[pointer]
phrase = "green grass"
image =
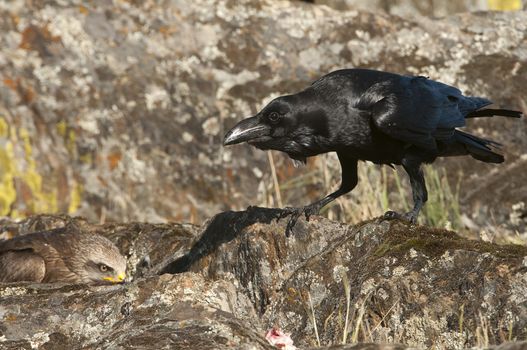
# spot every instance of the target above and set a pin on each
(442, 208)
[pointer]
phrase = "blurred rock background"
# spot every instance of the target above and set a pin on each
(115, 110)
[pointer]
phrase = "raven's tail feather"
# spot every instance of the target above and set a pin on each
(479, 148)
(492, 112)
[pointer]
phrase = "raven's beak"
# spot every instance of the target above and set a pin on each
(246, 130)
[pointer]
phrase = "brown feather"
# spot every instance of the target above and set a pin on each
(59, 255)
(21, 265)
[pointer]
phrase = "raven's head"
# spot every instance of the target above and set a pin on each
(288, 123)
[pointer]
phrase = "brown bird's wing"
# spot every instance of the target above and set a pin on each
(59, 247)
(19, 262)
(37, 249)
(21, 265)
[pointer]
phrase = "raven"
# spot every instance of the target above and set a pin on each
(377, 116)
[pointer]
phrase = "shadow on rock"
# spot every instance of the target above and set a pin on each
(223, 228)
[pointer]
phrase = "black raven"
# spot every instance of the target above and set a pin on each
(371, 115)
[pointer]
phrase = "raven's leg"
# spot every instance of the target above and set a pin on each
(412, 165)
(349, 181)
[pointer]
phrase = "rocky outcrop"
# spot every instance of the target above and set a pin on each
(116, 110)
(429, 8)
(224, 285)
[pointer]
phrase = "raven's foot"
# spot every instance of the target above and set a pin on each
(411, 216)
(295, 213)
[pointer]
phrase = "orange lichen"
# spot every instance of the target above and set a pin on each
(10, 83)
(33, 37)
(113, 159)
(84, 10)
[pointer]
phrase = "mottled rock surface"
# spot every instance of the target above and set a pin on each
(430, 8)
(115, 110)
(238, 276)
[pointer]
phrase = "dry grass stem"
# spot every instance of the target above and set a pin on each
(275, 180)
(313, 319)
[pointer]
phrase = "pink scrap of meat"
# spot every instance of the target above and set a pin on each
(280, 339)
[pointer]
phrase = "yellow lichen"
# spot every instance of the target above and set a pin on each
(7, 186)
(62, 127)
(70, 143)
(4, 128)
(86, 158)
(26, 139)
(75, 198)
(17, 163)
(504, 5)
(44, 201)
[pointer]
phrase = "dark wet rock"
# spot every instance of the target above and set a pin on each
(116, 110)
(238, 276)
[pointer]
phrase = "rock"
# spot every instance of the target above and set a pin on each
(224, 285)
(182, 311)
(116, 110)
(411, 9)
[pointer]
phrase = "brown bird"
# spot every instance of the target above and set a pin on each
(61, 255)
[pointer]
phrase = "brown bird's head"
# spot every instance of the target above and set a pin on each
(97, 260)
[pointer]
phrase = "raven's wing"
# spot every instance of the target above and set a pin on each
(417, 110)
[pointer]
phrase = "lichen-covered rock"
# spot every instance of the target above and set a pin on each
(429, 8)
(116, 109)
(224, 285)
(406, 284)
(182, 311)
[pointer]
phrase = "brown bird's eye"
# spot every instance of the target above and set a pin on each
(273, 116)
(103, 268)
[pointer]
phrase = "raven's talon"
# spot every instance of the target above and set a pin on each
(291, 223)
(410, 217)
(294, 214)
(391, 215)
(311, 210)
(285, 212)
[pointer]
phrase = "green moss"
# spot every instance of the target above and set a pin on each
(401, 238)
(382, 250)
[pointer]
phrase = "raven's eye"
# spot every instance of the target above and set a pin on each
(273, 117)
(103, 268)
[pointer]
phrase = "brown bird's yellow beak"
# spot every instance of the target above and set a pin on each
(120, 277)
